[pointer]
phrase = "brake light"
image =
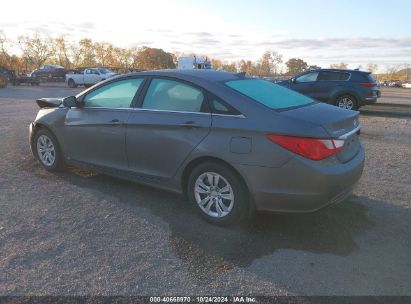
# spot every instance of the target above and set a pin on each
(312, 148)
(368, 84)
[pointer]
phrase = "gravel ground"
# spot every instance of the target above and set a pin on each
(80, 233)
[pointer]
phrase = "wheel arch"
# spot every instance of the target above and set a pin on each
(196, 161)
(42, 126)
(338, 94)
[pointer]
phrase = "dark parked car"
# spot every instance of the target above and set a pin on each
(349, 89)
(232, 144)
(49, 71)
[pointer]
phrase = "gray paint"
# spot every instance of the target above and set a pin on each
(155, 147)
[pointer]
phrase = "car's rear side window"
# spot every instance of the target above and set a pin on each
(368, 77)
(170, 95)
(269, 94)
(344, 76)
(333, 76)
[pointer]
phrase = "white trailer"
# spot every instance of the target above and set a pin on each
(194, 63)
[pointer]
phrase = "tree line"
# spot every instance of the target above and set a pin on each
(36, 50)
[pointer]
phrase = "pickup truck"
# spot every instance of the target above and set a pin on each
(88, 77)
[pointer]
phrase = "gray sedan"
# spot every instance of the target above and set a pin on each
(232, 144)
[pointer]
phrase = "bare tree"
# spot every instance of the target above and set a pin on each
(36, 50)
(4, 56)
(61, 52)
(372, 68)
(341, 65)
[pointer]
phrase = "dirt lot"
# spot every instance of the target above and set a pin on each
(79, 233)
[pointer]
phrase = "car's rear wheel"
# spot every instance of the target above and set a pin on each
(346, 102)
(218, 193)
(72, 83)
(47, 150)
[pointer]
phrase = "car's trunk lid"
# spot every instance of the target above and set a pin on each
(339, 124)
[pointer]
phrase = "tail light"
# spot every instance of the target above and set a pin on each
(312, 148)
(368, 84)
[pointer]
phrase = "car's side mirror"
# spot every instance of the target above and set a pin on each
(71, 102)
(292, 80)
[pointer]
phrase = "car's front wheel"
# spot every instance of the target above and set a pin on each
(218, 193)
(346, 102)
(47, 150)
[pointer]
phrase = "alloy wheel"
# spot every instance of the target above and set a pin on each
(345, 103)
(46, 150)
(214, 194)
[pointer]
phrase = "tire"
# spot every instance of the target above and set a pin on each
(347, 101)
(216, 205)
(44, 140)
(71, 83)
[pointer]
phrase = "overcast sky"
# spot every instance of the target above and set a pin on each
(320, 32)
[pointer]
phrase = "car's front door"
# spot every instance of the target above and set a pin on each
(95, 132)
(171, 120)
(305, 84)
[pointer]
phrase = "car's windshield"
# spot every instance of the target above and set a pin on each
(104, 71)
(269, 94)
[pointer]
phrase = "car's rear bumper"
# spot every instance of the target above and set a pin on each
(371, 99)
(302, 185)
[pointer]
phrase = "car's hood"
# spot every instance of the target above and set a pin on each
(49, 102)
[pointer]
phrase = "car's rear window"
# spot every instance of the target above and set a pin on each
(269, 94)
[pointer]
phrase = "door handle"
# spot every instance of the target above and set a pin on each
(116, 122)
(189, 124)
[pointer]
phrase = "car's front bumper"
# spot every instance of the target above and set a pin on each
(302, 185)
(31, 134)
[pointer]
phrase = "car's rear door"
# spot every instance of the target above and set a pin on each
(329, 83)
(170, 120)
(95, 133)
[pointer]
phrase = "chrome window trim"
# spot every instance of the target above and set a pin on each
(104, 108)
(346, 135)
(229, 115)
(162, 111)
(171, 111)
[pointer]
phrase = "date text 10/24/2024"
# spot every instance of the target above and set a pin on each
(203, 299)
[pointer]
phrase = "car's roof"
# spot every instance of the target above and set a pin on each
(208, 75)
(341, 70)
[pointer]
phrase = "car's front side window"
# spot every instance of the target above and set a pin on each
(117, 94)
(164, 94)
(309, 77)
